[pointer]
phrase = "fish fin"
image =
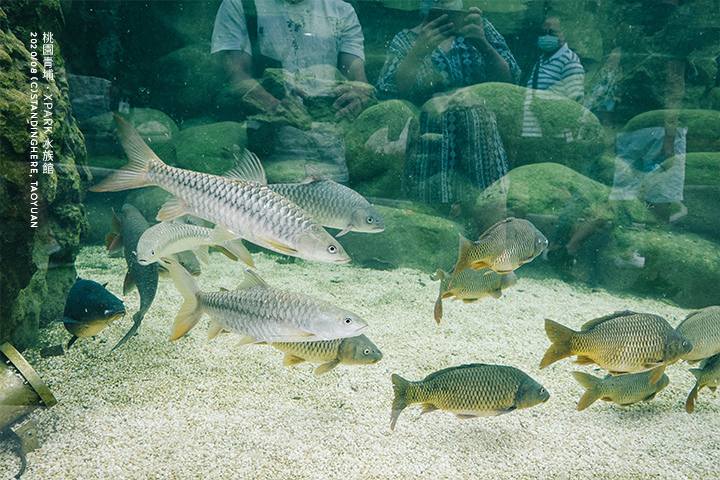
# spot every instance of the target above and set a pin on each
(139, 154)
(712, 389)
(438, 310)
(173, 207)
(649, 397)
(481, 266)
(400, 386)
(591, 394)
(464, 416)
(438, 275)
(220, 234)
(656, 374)
(496, 293)
(113, 240)
(326, 367)
(71, 341)
(463, 253)
(585, 360)
(214, 329)
(190, 313)
(235, 249)
(314, 175)
(248, 168)
(469, 300)
(696, 372)
(690, 402)
(203, 254)
(246, 339)
(252, 279)
(137, 320)
(560, 337)
(345, 230)
(598, 321)
(278, 245)
(128, 283)
(428, 407)
(291, 359)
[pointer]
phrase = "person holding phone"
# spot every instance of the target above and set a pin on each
(458, 151)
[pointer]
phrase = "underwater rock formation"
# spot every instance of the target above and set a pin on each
(42, 215)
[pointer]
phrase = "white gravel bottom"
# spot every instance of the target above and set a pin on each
(210, 409)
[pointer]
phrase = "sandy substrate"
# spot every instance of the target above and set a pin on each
(195, 408)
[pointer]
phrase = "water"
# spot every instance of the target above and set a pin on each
(620, 176)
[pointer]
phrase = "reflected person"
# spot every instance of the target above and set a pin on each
(458, 151)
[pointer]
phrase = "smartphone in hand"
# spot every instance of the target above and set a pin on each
(457, 17)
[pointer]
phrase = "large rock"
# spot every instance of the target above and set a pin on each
(43, 217)
(411, 239)
(703, 126)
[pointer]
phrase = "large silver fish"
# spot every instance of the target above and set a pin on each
(166, 238)
(260, 312)
(248, 209)
(330, 203)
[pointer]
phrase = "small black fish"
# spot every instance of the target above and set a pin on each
(89, 308)
(145, 277)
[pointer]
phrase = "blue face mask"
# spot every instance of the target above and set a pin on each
(548, 43)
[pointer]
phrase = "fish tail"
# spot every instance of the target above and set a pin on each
(591, 384)
(438, 309)
(190, 313)
(560, 337)
(463, 255)
(132, 175)
(400, 386)
(690, 402)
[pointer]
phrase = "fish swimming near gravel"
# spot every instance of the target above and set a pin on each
(166, 238)
(470, 286)
(469, 391)
(702, 328)
(330, 203)
(503, 247)
(624, 342)
(144, 277)
(248, 209)
(625, 390)
(708, 375)
(330, 353)
(89, 308)
(260, 312)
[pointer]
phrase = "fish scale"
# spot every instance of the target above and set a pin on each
(702, 328)
(248, 209)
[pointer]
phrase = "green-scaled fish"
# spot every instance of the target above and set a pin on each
(144, 277)
(470, 286)
(624, 390)
(702, 328)
(329, 353)
(89, 308)
(503, 247)
(624, 342)
(330, 203)
(248, 209)
(469, 391)
(259, 312)
(708, 375)
(166, 238)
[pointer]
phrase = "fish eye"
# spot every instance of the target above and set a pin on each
(542, 391)
(369, 219)
(347, 320)
(152, 253)
(366, 351)
(332, 249)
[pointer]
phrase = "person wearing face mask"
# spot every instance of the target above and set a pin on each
(558, 69)
(458, 150)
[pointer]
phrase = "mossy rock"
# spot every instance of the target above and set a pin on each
(702, 168)
(571, 133)
(411, 239)
(373, 143)
(208, 148)
(703, 126)
(703, 210)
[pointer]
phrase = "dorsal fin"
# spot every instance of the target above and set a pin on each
(598, 321)
(248, 168)
(252, 279)
(313, 175)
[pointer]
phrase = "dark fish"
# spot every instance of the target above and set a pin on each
(702, 328)
(469, 391)
(503, 247)
(624, 390)
(624, 342)
(89, 308)
(708, 375)
(145, 277)
(470, 286)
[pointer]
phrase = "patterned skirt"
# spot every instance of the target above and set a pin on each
(456, 155)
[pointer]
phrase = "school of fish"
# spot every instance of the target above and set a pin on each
(635, 348)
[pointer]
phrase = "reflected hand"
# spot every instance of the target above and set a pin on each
(352, 98)
(432, 34)
(474, 30)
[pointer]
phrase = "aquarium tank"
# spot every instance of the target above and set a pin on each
(268, 239)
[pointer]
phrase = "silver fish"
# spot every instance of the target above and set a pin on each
(330, 203)
(329, 353)
(166, 238)
(248, 209)
(259, 312)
